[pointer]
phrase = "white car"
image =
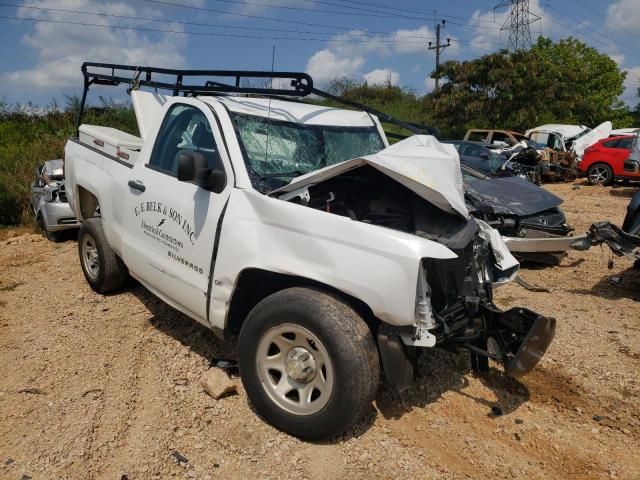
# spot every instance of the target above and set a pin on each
(296, 227)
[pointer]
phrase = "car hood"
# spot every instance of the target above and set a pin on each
(421, 163)
(509, 196)
(581, 144)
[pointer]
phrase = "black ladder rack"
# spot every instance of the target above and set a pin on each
(300, 83)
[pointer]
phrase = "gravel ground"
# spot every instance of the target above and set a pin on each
(108, 386)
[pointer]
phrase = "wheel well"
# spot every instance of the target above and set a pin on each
(88, 202)
(254, 285)
(599, 162)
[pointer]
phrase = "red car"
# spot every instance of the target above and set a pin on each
(608, 160)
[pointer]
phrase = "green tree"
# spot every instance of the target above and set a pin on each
(560, 82)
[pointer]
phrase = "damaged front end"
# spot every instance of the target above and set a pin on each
(527, 216)
(620, 242)
(454, 307)
(623, 241)
(456, 311)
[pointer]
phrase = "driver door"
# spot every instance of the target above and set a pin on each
(172, 225)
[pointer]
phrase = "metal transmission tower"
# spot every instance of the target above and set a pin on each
(518, 23)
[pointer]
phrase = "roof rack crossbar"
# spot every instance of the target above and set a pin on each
(300, 83)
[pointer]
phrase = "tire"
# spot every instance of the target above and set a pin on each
(102, 268)
(343, 356)
(51, 236)
(600, 174)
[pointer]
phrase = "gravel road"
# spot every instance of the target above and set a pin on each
(108, 386)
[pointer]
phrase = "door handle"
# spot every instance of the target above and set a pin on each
(137, 185)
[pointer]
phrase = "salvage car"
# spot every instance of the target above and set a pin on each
(506, 138)
(297, 228)
(527, 216)
(518, 160)
(49, 200)
(608, 160)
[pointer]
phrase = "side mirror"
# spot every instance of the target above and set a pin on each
(216, 180)
(193, 167)
(186, 167)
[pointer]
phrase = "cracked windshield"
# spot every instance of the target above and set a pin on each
(283, 149)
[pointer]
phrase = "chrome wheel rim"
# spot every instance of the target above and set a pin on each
(89, 255)
(599, 174)
(295, 369)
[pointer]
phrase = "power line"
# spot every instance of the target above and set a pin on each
(599, 14)
(361, 11)
(199, 24)
(395, 7)
(181, 32)
(247, 15)
(604, 36)
(587, 37)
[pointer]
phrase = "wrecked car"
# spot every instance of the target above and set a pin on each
(527, 216)
(297, 228)
(503, 138)
(519, 160)
(49, 200)
(526, 157)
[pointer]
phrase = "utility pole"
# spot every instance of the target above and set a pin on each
(437, 47)
(518, 21)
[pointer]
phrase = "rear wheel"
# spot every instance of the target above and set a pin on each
(600, 174)
(51, 236)
(102, 268)
(308, 362)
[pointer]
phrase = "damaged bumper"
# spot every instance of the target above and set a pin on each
(517, 338)
(549, 243)
(620, 242)
(542, 247)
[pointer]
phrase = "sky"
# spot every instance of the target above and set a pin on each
(372, 40)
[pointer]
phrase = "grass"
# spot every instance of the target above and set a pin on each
(28, 139)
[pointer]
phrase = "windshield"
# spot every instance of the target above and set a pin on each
(273, 148)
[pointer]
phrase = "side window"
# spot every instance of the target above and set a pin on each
(185, 128)
(500, 138)
(478, 137)
(612, 144)
(625, 143)
(474, 150)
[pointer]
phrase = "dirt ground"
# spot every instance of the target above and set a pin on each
(108, 386)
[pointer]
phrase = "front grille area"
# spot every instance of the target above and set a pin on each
(552, 217)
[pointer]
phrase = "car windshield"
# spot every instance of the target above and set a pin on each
(273, 148)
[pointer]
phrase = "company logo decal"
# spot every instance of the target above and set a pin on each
(157, 232)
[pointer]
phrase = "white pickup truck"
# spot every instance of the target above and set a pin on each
(296, 227)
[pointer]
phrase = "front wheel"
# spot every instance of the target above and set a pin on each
(308, 362)
(600, 174)
(103, 269)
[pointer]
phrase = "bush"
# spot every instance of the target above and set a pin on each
(29, 136)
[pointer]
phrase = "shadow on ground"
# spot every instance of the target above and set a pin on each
(442, 371)
(626, 191)
(626, 284)
(439, 371)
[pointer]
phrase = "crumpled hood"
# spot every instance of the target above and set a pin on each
(510, 196)
(421, 163)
